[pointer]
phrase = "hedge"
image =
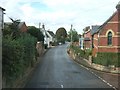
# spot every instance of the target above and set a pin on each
(81, 53)
(17, 55)
(107, 59)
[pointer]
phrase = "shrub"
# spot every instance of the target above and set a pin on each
(82, 53)
(17, 56)
(107, 59)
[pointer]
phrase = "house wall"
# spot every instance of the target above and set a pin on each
(113, 26)
(87, 44)
(95, 44)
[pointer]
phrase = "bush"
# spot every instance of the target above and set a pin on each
(12, 59)
(107, 59)
(17, 56)
(82, 53)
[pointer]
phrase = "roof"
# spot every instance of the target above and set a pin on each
(94, 29)
(2, 8)
(105, 22)
(51, 33)
(19, 25)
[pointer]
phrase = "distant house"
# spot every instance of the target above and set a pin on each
(107, 37)
(1, 18)
(87, 38)
(49, 36)
(81, 42)
(21, 26)
(44, 33)
(94, 39)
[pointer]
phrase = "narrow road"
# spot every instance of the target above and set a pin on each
(57, 70)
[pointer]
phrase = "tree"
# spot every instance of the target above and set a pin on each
(12, 28)
(36, 33)
(74, 34)
(61, 35)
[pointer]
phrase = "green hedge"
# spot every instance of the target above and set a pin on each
(17, 55)
(81, 53)
(107, 59)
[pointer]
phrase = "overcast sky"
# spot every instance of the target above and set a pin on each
(60, 13)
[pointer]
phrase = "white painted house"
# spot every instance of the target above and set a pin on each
(48, 36)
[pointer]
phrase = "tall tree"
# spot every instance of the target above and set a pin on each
(74, 34)
(36, 33)
(61, 34)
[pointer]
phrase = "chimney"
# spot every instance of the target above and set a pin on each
(43, 26)
(118, 6)
(118, 10)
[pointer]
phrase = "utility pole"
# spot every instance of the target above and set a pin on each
(71, 32)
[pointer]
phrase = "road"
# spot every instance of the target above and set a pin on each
(58, 70)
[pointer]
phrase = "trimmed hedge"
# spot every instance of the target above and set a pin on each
(107, 59)
(17, 56)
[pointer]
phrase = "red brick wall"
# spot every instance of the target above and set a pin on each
(87, 44)
(102, 44)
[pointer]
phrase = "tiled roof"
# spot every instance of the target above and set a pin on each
(51, 33)
(94, 29)
(20, 24)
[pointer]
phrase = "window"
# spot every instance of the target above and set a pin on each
(110, 38)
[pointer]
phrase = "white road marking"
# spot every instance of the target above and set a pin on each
(61, 86)
(96, 75)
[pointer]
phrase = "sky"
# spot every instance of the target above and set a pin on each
(59, 13)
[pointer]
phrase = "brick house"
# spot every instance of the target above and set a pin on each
(21, 26)
(87, 38)
(107, 37)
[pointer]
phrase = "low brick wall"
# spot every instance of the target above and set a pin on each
(89, 63)
(111, 69)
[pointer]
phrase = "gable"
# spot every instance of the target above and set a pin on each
(110, 24)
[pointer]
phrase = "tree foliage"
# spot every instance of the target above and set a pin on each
(22, 53)
(61, 35)
(36, 33)
(12, 29)
(74, 34)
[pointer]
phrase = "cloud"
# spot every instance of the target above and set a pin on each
(60, 13)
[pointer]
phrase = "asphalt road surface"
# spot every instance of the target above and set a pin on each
(58, 70)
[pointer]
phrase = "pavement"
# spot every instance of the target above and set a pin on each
(58, 70)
